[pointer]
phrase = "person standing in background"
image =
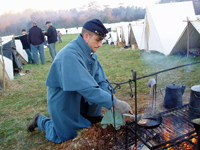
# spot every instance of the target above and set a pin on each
(36, 40)
(52, 39)
(26, 45)
(59, 37)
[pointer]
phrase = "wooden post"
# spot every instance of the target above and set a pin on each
(129, 33)
(188, 38)
(4, 81)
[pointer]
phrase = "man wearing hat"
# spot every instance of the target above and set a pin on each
(26, 45)
(52, 39)
(77, 87)
(36, 40)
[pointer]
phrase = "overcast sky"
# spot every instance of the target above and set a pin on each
(20, 5)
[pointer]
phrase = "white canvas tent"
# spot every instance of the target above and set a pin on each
(8, 67)
(111, 25)
(79, 29)
(107, 25)
(198, 17)
(12, 56)
(120, 36)
(139, 22)
(135, 35)
(62, 30)
(8, 62)
(113, 39)
(194, 38)
(127, 35)
(164, 24)
(126, 31)
(72, 30)
(22, 55)
(6, 39)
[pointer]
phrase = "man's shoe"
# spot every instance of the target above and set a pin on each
(95, 119)
(33, 123)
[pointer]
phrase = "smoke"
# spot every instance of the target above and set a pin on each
(186, 76)
(157, 62)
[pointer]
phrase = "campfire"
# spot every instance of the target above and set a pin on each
(175, 132)
(172, 129)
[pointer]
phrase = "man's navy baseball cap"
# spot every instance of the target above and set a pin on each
(96, 26)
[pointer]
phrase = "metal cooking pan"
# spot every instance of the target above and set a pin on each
(154, 120)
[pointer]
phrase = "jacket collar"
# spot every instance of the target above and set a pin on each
(84, 46)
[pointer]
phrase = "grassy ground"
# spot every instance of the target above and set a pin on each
(27, 94)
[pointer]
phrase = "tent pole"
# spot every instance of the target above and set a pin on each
(4, 84)
(129, 33)
(188, 38)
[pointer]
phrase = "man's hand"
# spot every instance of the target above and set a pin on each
(122, 107)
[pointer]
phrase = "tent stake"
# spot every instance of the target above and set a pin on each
(4, 84)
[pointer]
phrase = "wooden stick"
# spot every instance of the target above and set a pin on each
(188, 38)
(4, 83)
(188, 35)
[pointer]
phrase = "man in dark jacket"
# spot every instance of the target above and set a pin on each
(36, 40)
(26, 45)
(52, 39)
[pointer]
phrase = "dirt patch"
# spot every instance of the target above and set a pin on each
(97, 138)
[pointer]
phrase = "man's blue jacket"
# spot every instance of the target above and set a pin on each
(74, 74)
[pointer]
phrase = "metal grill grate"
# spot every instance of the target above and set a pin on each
(175, 129)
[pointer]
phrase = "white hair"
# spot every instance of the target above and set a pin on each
(50, 24)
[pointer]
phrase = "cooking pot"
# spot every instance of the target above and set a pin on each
(173, 95)
(195, 99)
(196, 124)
